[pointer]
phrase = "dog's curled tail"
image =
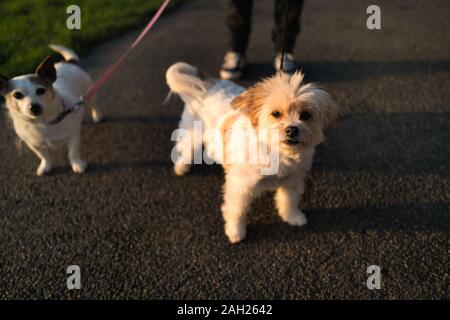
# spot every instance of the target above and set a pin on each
(185, 80)
(68, 54)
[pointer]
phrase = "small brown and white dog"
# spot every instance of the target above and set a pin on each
(36, 104)
(295, 113)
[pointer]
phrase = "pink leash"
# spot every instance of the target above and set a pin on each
(92, 90)
(105, 77)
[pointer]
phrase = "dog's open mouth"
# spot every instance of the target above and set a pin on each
(291, 142)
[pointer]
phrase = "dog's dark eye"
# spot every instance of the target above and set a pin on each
(18, 95)
(305, 115)
(276, 114)
(40, 91)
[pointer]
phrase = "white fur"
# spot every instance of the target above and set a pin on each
(211, 102)
(41, 138)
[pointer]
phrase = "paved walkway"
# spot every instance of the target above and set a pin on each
(379, 192)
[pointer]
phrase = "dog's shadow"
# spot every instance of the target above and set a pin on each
(195, 171)
(412, 217)
(97, 167)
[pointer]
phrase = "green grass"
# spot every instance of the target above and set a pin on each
(28, 26)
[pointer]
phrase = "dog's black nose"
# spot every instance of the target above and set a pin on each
(36, 109)
(291, 132)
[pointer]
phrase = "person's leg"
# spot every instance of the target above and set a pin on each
(292, 27)
(286, 33)
(238, 19)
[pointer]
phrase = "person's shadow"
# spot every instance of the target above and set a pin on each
(345, 71)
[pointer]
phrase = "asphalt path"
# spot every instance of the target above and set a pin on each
(378, 193)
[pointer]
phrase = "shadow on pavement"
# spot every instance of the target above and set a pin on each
(411, 143)
(408, 216)
(345, 71)
(398, 143)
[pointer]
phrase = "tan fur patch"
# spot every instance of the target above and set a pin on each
(10, 101)
(250, 103)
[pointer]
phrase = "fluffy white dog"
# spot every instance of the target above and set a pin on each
(38, 104)
(291, 116)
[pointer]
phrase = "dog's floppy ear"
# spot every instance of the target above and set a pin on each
(242, 101)
(4, 85)
(249, 103)
(46, 70)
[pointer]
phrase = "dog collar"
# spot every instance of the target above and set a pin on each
(67, 110)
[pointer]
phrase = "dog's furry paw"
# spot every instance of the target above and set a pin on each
(235, 232)
(78, 166)
(181, 169)
(296, 219)
(43, 168)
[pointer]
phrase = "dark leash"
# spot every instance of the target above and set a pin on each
(283, 51)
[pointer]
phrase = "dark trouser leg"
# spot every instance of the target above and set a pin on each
(293, 24)
(238, 19)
